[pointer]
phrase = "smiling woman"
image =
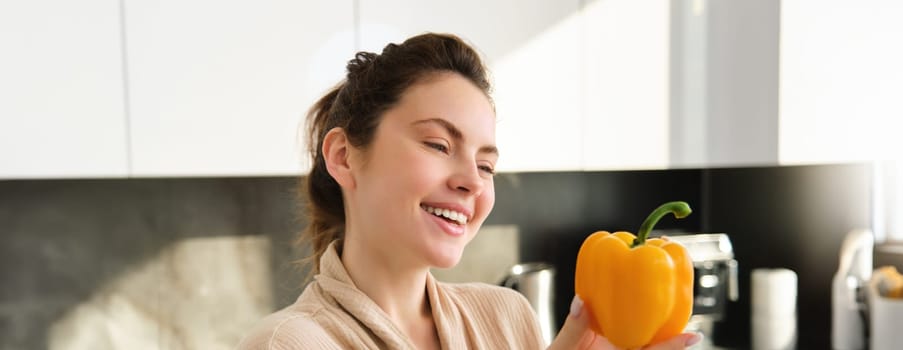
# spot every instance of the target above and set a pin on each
(403, 157)
(417, 161)
(386, 134)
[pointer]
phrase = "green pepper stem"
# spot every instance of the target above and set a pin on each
(678, 208)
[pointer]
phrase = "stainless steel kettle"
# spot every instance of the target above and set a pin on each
(536, 281)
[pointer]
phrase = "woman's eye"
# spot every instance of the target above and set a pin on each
(437, 146)
(487, 169)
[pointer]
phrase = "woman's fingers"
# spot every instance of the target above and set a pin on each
(576, 333)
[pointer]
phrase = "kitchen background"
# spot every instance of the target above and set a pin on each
(149, 150)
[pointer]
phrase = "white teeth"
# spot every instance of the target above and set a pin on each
(460, 218)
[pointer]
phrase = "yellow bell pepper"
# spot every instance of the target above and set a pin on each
(638, 290)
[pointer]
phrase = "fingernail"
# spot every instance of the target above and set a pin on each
(694, 339)
(576, 306)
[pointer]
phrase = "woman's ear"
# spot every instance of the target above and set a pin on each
(336, 152)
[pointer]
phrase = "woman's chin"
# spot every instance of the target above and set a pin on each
(445, 260)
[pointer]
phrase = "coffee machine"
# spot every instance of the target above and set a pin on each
(715, 274)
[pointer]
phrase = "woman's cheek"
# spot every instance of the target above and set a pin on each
(487, 200)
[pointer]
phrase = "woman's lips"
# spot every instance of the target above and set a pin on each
(449, 228)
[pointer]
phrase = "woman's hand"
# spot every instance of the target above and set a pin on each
(576, 334)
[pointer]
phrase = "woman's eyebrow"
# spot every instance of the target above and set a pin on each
(454, 132)
(490, 150)
(447, 125)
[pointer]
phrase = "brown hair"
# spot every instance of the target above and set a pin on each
(373, 84)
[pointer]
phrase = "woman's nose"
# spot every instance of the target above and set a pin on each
(467, 179)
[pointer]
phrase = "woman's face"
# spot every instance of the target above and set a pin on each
(424, 186)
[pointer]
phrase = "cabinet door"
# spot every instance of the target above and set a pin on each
(533, 51)
(841, 85)
(222, 87)
(61, 88)
(626, 44)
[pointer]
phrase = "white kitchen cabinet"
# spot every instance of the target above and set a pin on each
(626, 77)
(765, 83)
(533, 50)
(221, 88)
(841, 81)
(62, 108)
(724, 83)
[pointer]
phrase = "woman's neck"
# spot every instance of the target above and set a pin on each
(397, 288)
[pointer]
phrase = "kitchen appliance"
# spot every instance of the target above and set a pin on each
(536, 281)
(848, 294)
(715, 274)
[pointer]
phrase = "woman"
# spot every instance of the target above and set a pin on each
(403, 156)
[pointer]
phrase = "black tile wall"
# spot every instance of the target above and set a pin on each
(789, 217)
(61, 239)
(556, 211)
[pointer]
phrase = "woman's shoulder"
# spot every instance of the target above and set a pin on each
(287, 329)
(302, 325)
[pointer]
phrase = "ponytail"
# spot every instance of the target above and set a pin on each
(325, 207)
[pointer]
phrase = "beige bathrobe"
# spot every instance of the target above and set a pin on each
(332, 313)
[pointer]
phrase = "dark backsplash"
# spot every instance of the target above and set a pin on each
(556, 211)
(791, 217)
(63, 238)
